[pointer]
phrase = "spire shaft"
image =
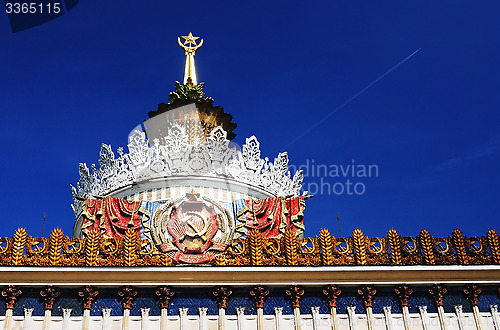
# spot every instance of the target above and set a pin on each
(189, 51)
(190, 69)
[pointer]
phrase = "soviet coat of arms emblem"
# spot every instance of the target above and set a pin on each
(192, 229)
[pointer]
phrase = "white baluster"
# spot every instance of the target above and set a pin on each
(28, 318)
(460, 317)
(494, 316)
(315, 317)
(66, 318)
(353, 319)
(106, 319)
(240, 312)
(183, 312)
(203, 318)
(144, 318)
(388, 317)
(424, 317)
(278, 311)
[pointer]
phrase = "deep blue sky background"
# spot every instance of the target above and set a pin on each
(432, 126)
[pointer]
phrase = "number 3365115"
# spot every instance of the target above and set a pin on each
(32, 8)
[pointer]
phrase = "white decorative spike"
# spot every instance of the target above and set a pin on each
(251, 154)
(183, 316)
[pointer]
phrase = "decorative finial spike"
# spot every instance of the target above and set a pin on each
(190, 50)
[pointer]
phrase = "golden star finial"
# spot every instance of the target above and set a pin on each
(189, 39)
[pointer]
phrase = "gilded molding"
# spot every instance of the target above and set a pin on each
(426, 243)
(290, 245)
(494, 246)
(359, 246)
(55, 246)
(91, 247)
(326, 245)
(256, 250)
(256, 245)
(459, 245)
(129, 248)
(19, 241)
(395, 246)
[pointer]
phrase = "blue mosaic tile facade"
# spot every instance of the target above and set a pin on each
(490, 296)
(454, 297)
(194, 298)
(385, 297)
(107, 298)
(348, 299)
(275, 300)
(29, 299)
(240, 298)
(420, 297)
(2, 308)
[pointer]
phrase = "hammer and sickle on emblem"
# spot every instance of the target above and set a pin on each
(197, 232)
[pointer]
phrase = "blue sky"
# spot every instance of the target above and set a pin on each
(431, 126)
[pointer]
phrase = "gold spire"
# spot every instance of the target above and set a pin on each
(190, 70)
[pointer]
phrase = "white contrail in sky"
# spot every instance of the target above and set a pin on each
(350, 99)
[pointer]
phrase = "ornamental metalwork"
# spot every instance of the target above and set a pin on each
(88, 294)
(403, 292)
(294, 294)
(473, 291)
(367, 292)
(11, 295)
(128, 294)
(259, 294)
(255, 250)
(332, 292)
(164, 295)
(220, 294)
(49, 295)
(437, 292)
(175, 156)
